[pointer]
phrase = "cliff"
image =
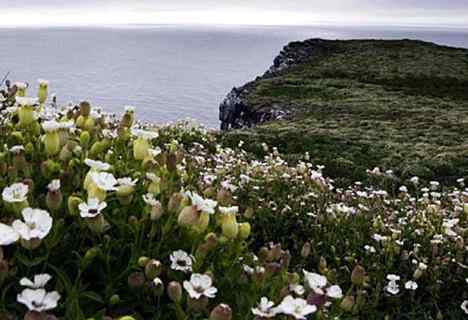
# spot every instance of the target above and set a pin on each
(353, 105)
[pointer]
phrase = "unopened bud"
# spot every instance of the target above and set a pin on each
(136, 280)
(358, 276)
(174, 291)
(153, 269)
(221, 312)
(347, 303)
(305, 251)
(188, 216)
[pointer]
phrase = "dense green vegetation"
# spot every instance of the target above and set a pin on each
(401, 105)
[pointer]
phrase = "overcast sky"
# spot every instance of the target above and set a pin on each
(264, 12)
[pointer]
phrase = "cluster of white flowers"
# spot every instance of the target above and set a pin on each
(35, 297)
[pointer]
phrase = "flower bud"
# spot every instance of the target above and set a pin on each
(89, 124)
(174, 202)
(126, 318)
(32, 244)
(97, 224)
(85, 138)
(42, 91)
(358, 276)
(306, 248)
(85, 108)
(171, 162)
(136, 280)
(188, 216)
(221, 312)
(153, 269)
(73, 203)
(54, 199)
(142, 261)
(156, 212)
(244, 230)
(224, 197)
(197, 305)
(80, 121)
(91, 254)
(347, 303)
(65, 154)
(174, 291)
(157, 287)
(114, 299)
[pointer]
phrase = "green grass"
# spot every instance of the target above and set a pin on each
(402, 105)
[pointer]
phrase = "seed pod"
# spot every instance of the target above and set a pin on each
(174, 291)
(221, 312)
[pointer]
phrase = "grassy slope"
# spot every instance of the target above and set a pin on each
(359, 104)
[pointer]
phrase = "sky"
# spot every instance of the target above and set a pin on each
(433, 13)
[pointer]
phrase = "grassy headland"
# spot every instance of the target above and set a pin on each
(354, 105)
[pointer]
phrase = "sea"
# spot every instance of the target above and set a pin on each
(167, 72)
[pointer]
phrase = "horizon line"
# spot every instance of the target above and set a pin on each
(432, 26)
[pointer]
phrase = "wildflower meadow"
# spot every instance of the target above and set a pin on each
(106, 217)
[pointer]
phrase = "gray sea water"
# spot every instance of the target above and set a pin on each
(166, 72)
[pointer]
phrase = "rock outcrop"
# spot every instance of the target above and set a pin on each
(236, 112)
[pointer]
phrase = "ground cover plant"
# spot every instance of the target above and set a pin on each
(105, 217)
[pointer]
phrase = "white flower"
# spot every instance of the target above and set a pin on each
(200, 285)
(181, 261)
(104, 180)
(40, 280)
(15, 193)
(50, 126)
(228, 186)
(20, 85)
(298, 308)
(204, 205)
(127, 182)
(393, 277)
(54, 185)
(8, 235)
(24, 101)
(335, 292)
(155, 152)
(38, 300)
(17, 149)
(150, 200)
(411, 285)
(37, 224)
(153, 177)
(392, 287)
(315, 281)
(144, 134)
(97, 165)
(229, 210)
(297, 289)
(91, 209)
(464, 306)
(265, 309)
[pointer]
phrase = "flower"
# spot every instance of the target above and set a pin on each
(200, 285)
(393, 277)
(181, 261)
(335, 292)
(8, 235)
(411, 285)
(40, 280)
(392, 287)
(144, 134)
(50, 126)
(150, 200)
(92, 208)
(127, 182)
(54, 185)
(204, 205)
(296, 307)
(229, 210)
(315, 281)
(265, 309)
(37, 224)
(104, 181)
(15, 193)
(23, 101)
(464, 306)
(97, 165)
(39, 299)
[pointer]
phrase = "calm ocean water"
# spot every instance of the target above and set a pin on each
(167, 72)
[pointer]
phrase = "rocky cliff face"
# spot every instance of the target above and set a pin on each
(236, 112)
